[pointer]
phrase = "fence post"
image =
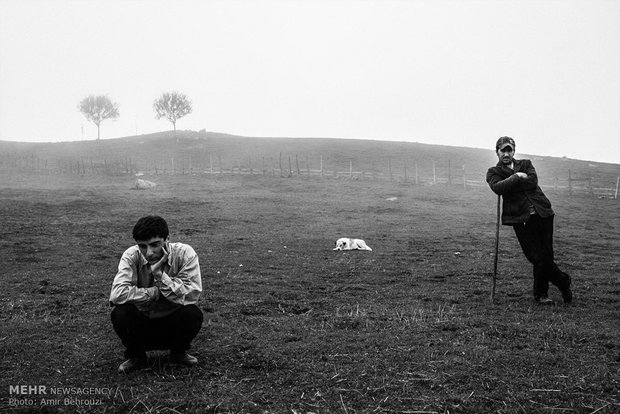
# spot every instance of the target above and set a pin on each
(290, 170)
(297, 164)
(281, 164)
(350, 169)
(390, 167)
(617, 182)
(417, 178)
(219, 159)
(250, 164)
(321, 166)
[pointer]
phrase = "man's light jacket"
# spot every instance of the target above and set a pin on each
(180, 284)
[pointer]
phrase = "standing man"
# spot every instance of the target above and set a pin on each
(154, 295)
(527, 209)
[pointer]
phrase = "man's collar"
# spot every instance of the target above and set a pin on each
(142, 258)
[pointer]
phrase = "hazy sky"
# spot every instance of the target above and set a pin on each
(460, 72)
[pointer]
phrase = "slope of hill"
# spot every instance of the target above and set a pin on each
(201, 151)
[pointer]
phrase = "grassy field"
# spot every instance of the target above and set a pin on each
(292, 326)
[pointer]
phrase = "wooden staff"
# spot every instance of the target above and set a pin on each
(496, 250)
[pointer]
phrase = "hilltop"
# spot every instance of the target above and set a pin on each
(203, 151)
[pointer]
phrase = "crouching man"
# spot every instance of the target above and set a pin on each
(154, 296)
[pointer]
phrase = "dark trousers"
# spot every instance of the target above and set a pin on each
(139, 333)
(536, 239)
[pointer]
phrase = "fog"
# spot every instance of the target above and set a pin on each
(442, 72)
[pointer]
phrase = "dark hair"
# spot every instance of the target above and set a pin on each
(150, 226)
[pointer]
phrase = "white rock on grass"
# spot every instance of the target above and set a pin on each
(144, 184)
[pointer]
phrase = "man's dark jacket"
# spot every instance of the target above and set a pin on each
(519, 194)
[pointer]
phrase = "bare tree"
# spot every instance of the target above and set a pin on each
(97, 109)
(172, 106)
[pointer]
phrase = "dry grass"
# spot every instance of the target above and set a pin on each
(292, 326)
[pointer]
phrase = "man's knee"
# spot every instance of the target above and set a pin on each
(121, 314)
(191, 314)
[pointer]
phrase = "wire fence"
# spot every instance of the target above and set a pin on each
(289, 166)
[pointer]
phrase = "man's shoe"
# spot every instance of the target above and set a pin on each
(544, 300)
(183, 358)
(567, 295)
(131, 364)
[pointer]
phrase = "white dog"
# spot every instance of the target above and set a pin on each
(345, 243)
